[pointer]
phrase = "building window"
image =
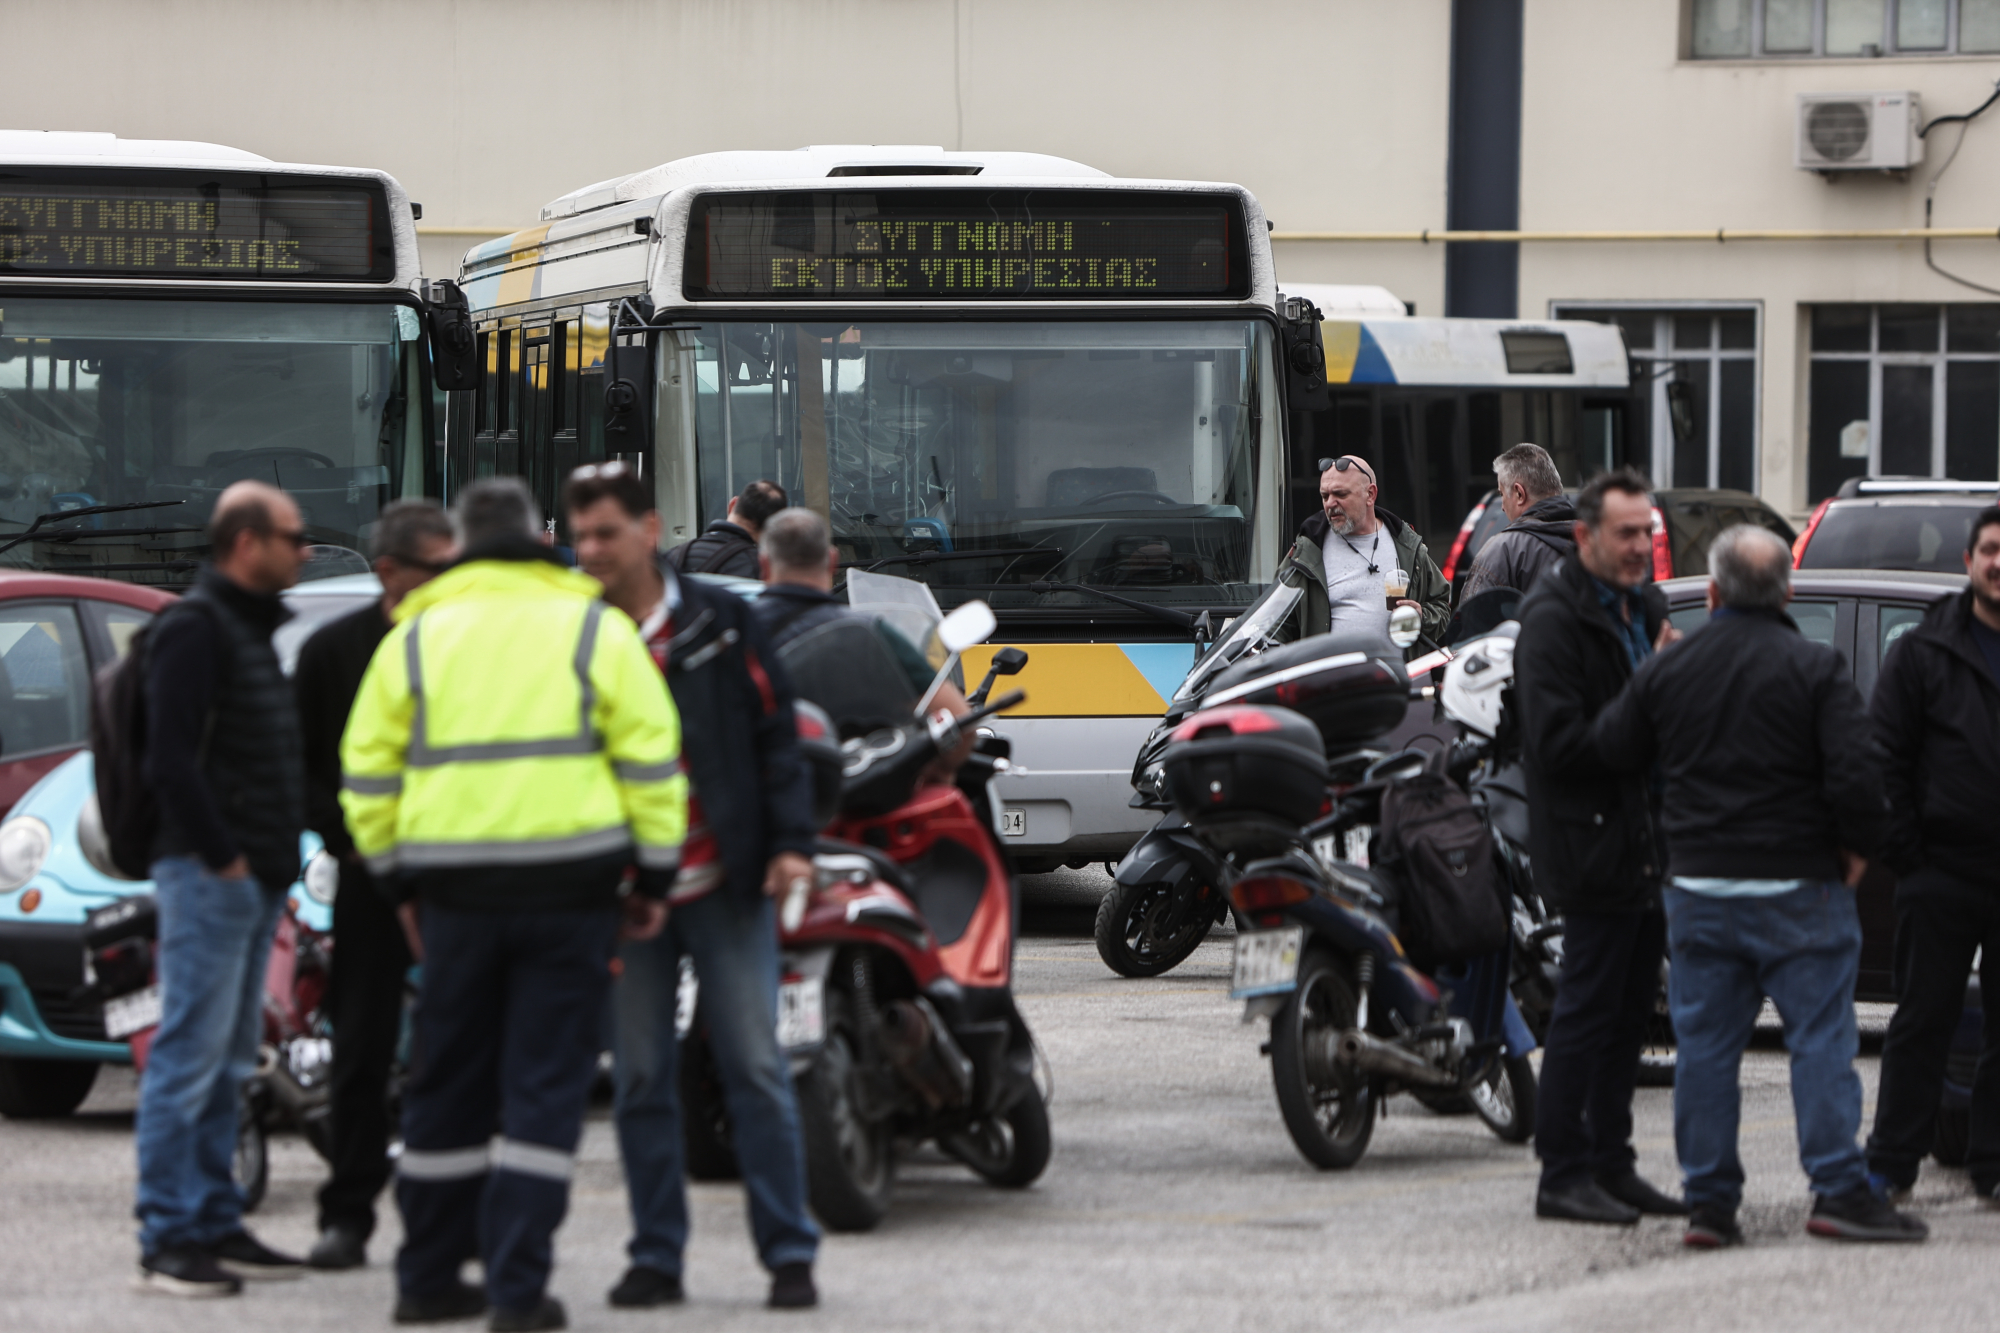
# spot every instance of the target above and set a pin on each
(1740, 29)
(1699, 389)
(1904, 390)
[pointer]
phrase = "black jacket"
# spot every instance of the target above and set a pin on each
(1521, 552)
(222, 744)
(1763, 742)
(328, 677)
(1937, 719)
(1593, 832)
(722, 548)
(739, 738)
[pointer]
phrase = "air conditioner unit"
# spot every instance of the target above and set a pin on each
(1858, 131)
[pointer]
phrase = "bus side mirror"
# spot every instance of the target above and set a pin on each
(628, 398)
(454, 343)
(1305, 355)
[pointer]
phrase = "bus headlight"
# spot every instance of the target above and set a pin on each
(24, 845)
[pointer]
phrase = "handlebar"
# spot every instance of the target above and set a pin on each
(986, 710)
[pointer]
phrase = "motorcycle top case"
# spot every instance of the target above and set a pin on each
(1247, 777)
(1352, 688)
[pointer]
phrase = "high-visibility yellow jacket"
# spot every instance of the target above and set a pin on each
(512, 718)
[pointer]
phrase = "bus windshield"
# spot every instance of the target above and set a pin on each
(989, 457)
(118, 401)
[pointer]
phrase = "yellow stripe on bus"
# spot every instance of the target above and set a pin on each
(518, 283)
(1071, 680)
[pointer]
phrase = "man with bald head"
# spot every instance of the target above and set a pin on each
(223, 759)
(1772, 796)
(1346, 557)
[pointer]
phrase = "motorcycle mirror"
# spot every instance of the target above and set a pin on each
(970, 624)
(1008, 662)
(1405, 623)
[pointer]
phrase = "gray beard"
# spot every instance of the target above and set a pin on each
(1342, 527)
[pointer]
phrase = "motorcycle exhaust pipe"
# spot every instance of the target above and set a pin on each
(1357, 1048)
(917, 1043)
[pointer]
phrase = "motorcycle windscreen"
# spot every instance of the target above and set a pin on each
(845, 668)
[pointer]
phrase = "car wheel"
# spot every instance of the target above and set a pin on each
(44, 1089)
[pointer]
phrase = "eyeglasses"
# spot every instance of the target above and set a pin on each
(423, 566)
(1344, 463)
(299, 540)
(617, 467)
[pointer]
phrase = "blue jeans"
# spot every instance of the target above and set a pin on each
(215, 939)
(1802, 949)
(735, 951)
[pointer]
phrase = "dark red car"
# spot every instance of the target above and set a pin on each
(56, 630)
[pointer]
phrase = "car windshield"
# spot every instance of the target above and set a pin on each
(985, 458)
(1886, 534)
(161, 404)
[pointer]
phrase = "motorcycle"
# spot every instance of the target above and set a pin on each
(895, 1007)
(1325, 953)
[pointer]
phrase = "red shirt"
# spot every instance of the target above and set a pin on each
(701, 857)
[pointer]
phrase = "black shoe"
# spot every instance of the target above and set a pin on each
(339, 1247)
(792, 1288)
(461, 1301)
(249, 1258)
(1862, 1214)
(549, 1314)
(186, 1271)
(1585, 1201)
(642, 1288)
(1632, 1190)
(1711, 1227)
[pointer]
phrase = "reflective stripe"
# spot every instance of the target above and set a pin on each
(379, 866)
(422, 754)
(532, 1159)
(448, 1164)
(417, 855)
(659, 858)
(365, 786)
(628, 772)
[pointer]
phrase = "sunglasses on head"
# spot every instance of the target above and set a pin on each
(617, 467)
(1344, 464)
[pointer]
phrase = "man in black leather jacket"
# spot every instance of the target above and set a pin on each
(1588, 625)
(1541, 524)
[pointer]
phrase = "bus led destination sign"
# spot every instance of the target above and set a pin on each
(198, 229)
(957, 245)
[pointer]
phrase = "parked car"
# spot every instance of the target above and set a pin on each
(56, 630)
(1685, 523)
(1860, 614)
(1893, 523)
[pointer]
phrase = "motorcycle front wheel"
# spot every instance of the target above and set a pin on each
(850, 1161)
(250, 1165)
(1144, 930)
(1329, 1108)
(1505, 1099)
(1011, 1149)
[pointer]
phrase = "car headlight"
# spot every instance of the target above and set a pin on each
(24, 845)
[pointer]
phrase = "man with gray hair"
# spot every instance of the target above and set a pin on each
(1773, 797)
(1541, 524)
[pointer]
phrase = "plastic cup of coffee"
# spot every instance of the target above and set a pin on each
(1395, 587)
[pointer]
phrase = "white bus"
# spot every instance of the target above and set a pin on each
(178, 316)
(1010, 376)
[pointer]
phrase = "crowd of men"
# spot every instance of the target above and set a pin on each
(549, 785)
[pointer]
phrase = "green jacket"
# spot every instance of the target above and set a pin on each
(1306, 566)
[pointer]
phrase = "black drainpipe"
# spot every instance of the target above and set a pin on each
(1483, 172)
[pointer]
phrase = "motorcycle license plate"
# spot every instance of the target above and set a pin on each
(801, 1012)
(1267, 962)
(127, 1014)
(1014, 822)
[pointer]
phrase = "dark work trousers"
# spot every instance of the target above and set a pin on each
(1940, 921)
(1590, 1062)
(371, 964)
(504, 1047)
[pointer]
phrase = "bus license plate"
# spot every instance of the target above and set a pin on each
(127, 1014)
(1267, 962)
(801, 1012)
(1014, 823)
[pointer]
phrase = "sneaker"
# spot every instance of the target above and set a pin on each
(1862, 1214)
(244, 1255)
(1711, 1227)
(549, 1314)
(462, 1301)
(1889, 1189)
(186, 1271)
(642, 1288)
(792, 1287)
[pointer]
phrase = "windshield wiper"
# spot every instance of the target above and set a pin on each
(1166, 613)
(35, 531)
(931, 557)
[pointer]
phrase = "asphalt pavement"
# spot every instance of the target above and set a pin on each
(1174, 1201)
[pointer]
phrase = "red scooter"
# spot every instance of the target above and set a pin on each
(895, 1006)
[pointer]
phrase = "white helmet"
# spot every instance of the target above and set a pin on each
(1475, 678)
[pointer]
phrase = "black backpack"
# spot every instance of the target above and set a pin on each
(1441, 849)
(126, 805)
